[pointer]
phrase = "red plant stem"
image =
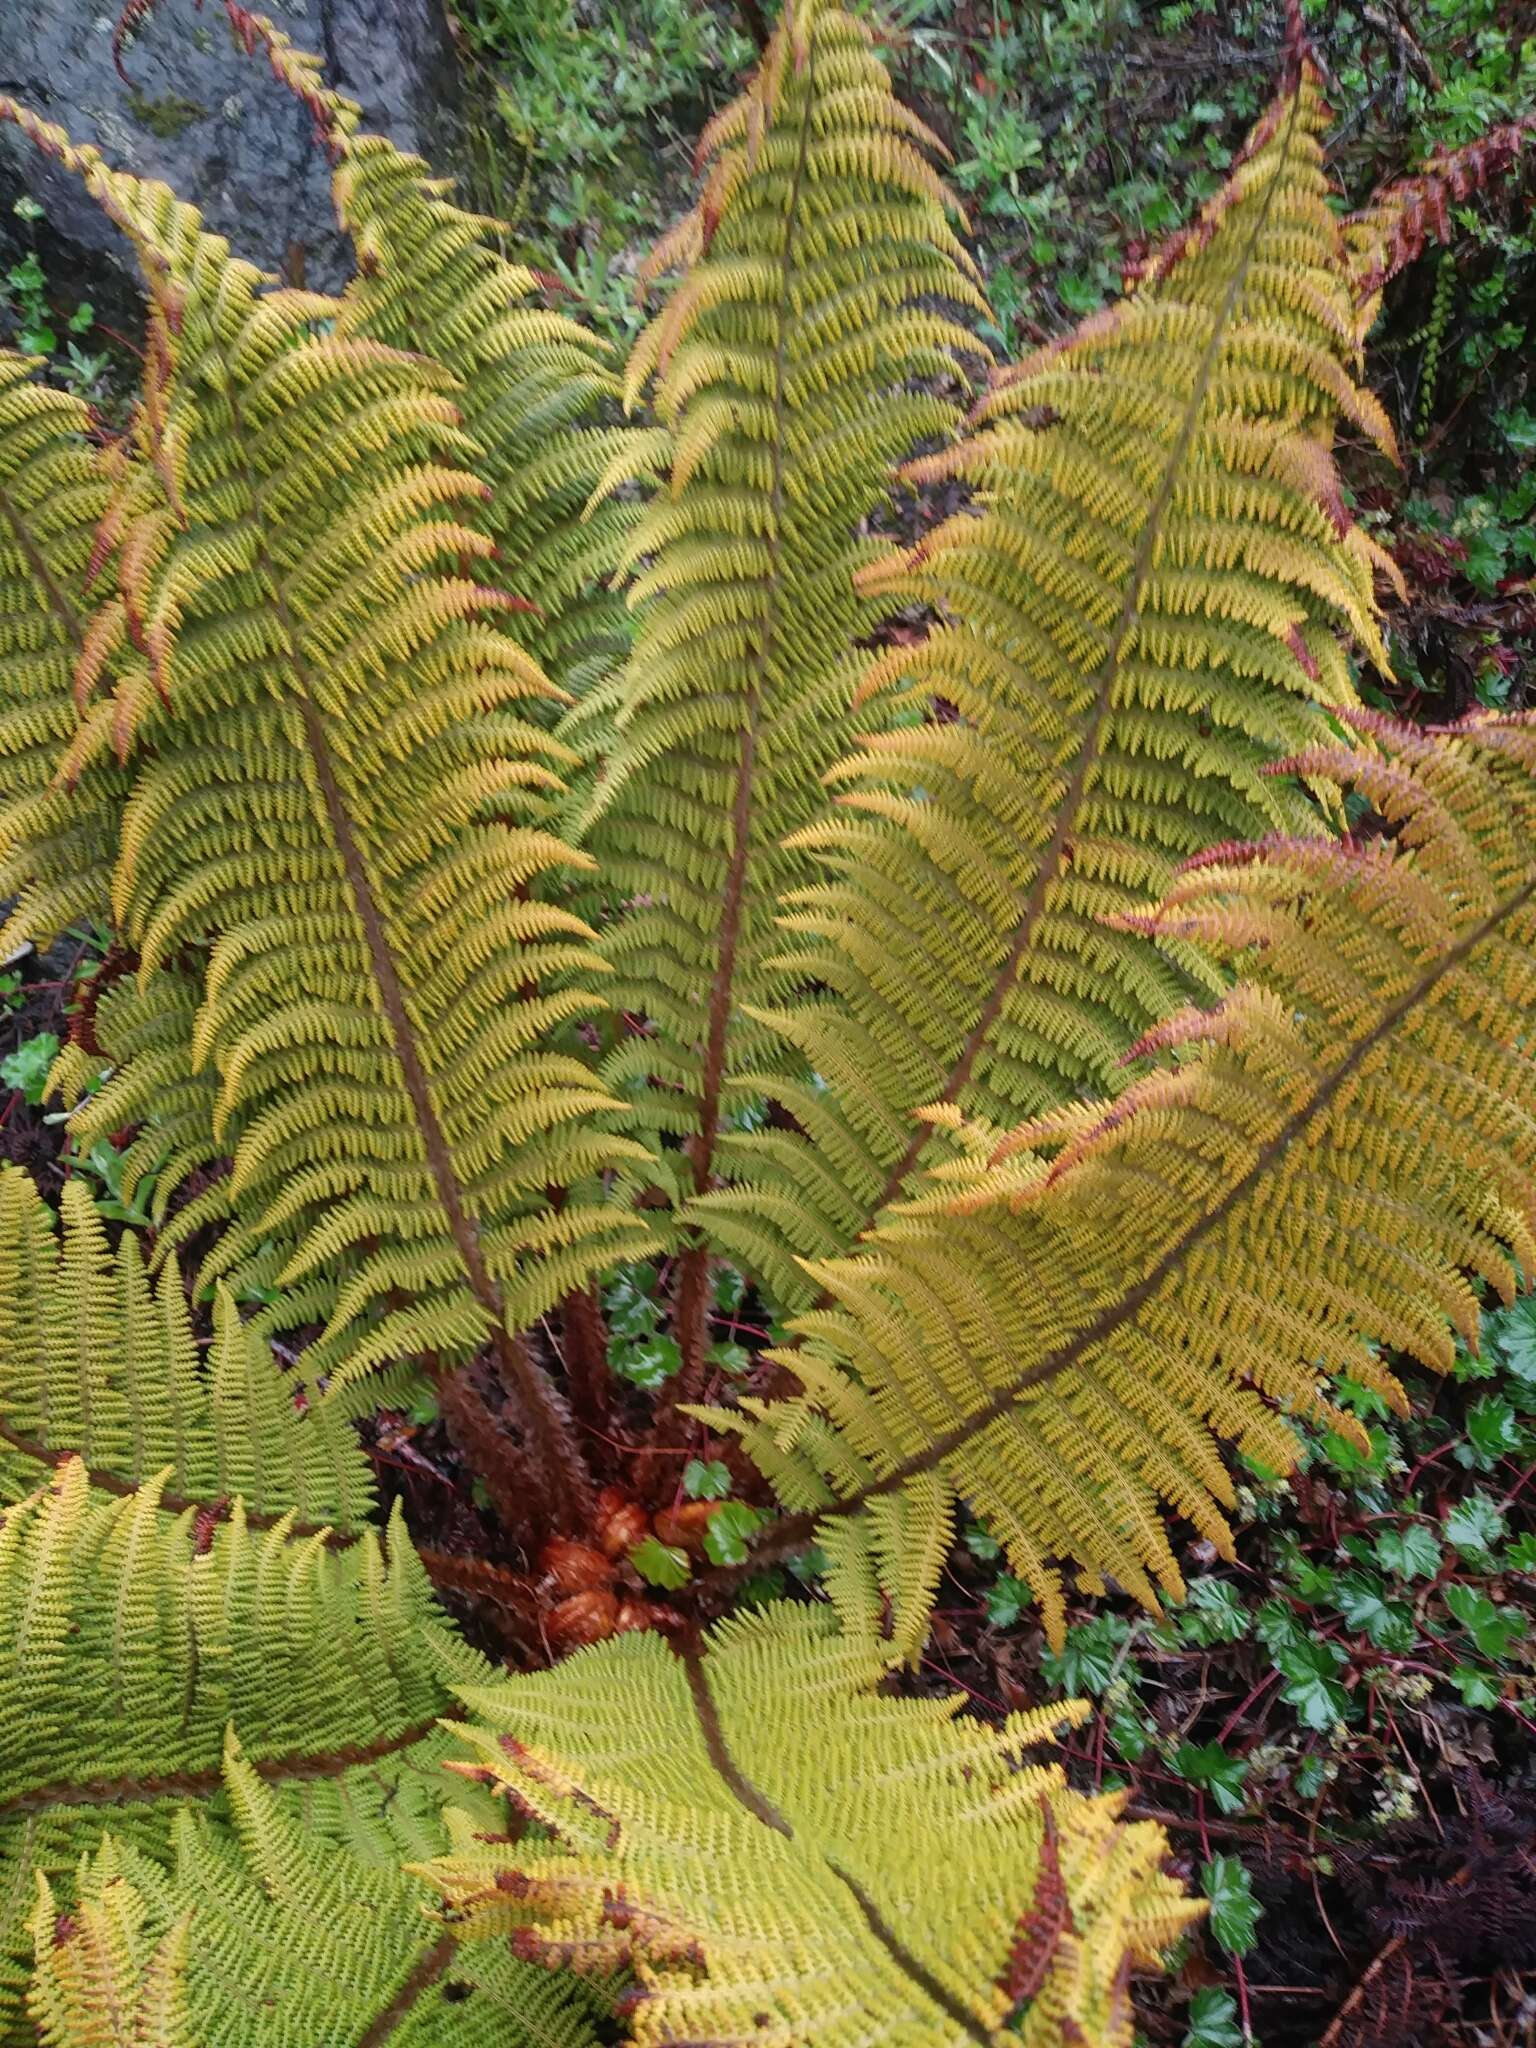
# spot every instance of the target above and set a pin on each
(1238, 1711)
(1244, 2010)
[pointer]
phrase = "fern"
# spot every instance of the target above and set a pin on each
(267, 684)
(875, 1876)
(323, 717)
(1331, 1148)
(1147, 610)
(783, 361)
(431, 278)
(218, 1747)
(251, 1940)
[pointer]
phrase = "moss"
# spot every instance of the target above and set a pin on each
(165, 117)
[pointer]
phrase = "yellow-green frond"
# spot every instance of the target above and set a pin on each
(804, 352)
(56, 848)
(100, 1363)
(260, 1934)
(779, 1853)
(1149, 601)
(1062, 1327)
(132, 1639)
(338, 789)
(104, 1978)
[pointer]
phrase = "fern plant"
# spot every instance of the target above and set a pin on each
(527, 851)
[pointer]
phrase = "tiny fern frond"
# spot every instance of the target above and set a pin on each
(336, 782)
(1061, 1325)
(1148, 608)
(102, 1976)
(779, 1853)
(786, 364)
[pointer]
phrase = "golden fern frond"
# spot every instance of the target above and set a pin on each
(779, 1853)
(1063, 1324)
(133, 1639)
(1147, 610)
(432, 278)
(56, 850)
(785, 363)
(97, 1362)
(336, 782)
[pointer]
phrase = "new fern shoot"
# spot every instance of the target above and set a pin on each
(543, 892)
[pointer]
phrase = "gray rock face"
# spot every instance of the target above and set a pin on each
(214, 123)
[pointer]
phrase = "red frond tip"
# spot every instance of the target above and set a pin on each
(1231, 853)
(504, 601)
(1297, 46)
(1042, 1926)
(1303, 654)
(132, 18)
(1187, 1027)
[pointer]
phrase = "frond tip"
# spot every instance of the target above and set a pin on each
(779, 1853)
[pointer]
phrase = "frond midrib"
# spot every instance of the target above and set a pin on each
(720, 997)
(756, 1802)
(58, 602)
(299, 1767)
(103, 1481)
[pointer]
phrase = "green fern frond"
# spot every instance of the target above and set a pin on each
(140, 1076)
(217, 1745)
(1147, 610)
(335, 780)
(533, 385)
(102, 1977)
(97, 1362)
(260, 1936)
(785, 364)
(131, 1639)
(779, 1853)
(1062, 1325)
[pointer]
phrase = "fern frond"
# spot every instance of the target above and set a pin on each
(785, 362)
(780, 1854)
(261, 1935)
(56, 848)
(1061, 1326)
(102, 1977)
(335, 781)
(142, 1077)
(1147, 610)
(216, 1746)
(131, 1639)
(98, 1363)
(533, 385)
(1403, 217)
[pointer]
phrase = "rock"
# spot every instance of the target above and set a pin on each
(214, 123)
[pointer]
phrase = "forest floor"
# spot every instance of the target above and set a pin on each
(1338, 1726)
